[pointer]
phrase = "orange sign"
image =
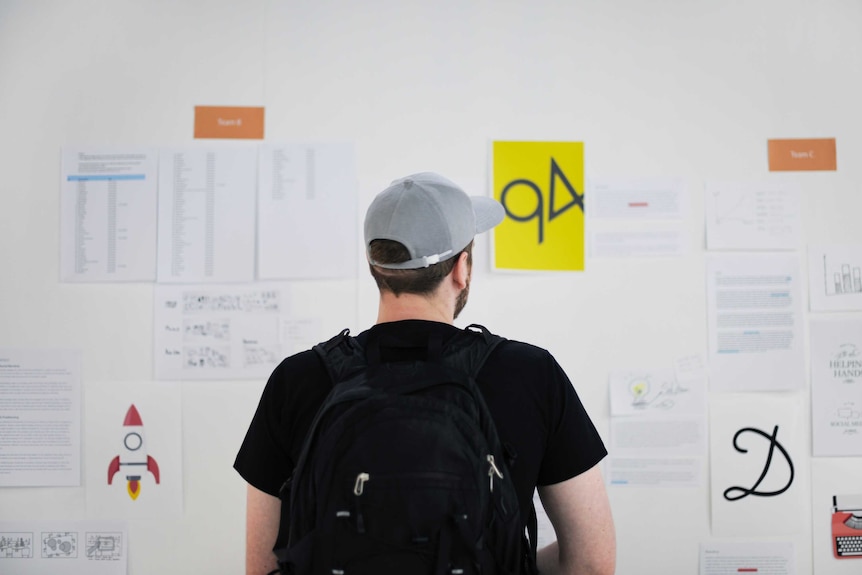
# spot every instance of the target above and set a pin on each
(802, 155)
(229, 122)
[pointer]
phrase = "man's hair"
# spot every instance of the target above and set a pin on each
(420, 281)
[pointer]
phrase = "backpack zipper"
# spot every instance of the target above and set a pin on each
(492, 471)
(358, 487)
(360, 483)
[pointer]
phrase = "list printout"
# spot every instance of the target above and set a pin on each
(307, 211)
(206, 215)
(40, 417)
(753, 215)
(755, 323)
(217, 331)
(836, 387)
(108, 215)
(91, 547)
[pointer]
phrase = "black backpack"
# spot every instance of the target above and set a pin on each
(402, 471)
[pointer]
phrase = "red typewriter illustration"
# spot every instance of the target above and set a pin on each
(847, 526)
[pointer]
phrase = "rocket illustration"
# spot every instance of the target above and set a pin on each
(134, 458)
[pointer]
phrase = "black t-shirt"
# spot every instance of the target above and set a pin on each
(534, 405)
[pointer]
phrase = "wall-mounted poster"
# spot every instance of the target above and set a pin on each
(134, 451)
(758, 481)
(836, 387)
(541, 187)
(835, 277)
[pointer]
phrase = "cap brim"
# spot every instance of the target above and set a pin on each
(489, 212)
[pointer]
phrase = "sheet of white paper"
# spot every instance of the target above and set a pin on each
(207, 214)
(753, 215)
(40, 417)
(658, 429)
(690, 367)
(735, 558)
(755, 323)
(653, 437)
(68, 547)
(134, 450)
(218, 331)
(307, 211)
(643, 244)
(638, 198)
(835, 277)
(299, 334)
(836, 386)
(756, 448)
(108, 204)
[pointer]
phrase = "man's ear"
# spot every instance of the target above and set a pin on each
(461, 271)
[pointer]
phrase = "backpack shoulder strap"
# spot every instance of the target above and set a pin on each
(469, 350)
(342, 356)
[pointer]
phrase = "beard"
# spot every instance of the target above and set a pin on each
(461, 300)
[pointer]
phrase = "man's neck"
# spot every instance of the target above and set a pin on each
(412, 306)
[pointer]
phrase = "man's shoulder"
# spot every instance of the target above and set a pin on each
(516, 351)
(302, 365)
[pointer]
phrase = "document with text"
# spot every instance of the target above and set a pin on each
(755, 323)
(658, 428)
(638, 199)
(307, 211)
(207, 214)
(742, 557)
(40, 417)
(108, 202)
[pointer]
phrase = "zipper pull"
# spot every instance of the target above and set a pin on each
(492, 471)
(360, 483)
(357, 491)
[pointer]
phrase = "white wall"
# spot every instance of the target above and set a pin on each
(663, 88)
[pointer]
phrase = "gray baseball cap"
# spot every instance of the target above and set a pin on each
(431, 216)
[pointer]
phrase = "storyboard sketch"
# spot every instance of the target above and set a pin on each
(835, 277)
(218, 331)
(108, 204)
(89, 547)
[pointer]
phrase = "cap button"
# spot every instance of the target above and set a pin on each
(408, 183)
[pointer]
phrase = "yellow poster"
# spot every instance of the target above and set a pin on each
(541, 187)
